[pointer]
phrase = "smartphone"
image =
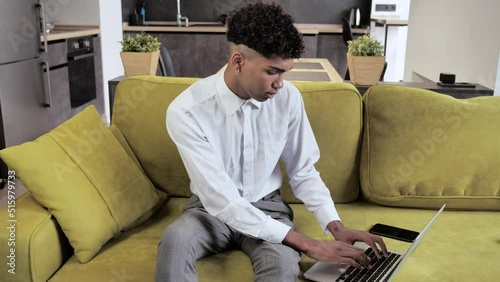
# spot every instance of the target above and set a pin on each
(394, 232)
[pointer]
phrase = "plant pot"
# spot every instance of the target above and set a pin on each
(365, 70)
(140, 63)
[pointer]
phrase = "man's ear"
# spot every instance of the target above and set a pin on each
(237, 59)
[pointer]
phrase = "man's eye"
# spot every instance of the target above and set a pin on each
(271, 72)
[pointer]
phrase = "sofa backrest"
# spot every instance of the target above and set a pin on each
(335, 113)
(139, 112)
(424, 149)
(334, 110)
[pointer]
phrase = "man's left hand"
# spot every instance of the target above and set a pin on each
(352, 236)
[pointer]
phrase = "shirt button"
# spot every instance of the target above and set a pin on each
(247, 169)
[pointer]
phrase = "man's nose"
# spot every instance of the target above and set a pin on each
(278, 83)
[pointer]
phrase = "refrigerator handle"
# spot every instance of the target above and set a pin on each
(41, 10)
(46, 69)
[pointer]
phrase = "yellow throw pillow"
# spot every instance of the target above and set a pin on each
(86, 179)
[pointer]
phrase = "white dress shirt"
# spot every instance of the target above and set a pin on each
(231, 148)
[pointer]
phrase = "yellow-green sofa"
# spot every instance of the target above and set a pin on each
(393, 156)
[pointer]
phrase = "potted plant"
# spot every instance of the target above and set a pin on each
(365, 60)
(140, 54)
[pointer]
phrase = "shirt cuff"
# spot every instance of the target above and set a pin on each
(274, 231)
(325, 215)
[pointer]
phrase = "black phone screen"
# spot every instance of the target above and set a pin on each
(394, 232)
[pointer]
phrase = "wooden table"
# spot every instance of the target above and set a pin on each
(311, 69)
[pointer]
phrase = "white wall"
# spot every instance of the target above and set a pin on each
(396, 37)
(75, 12)
(111, 33)
(402, 8)
(497, 82)
(456, 36)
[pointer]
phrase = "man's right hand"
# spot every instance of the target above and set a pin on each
(327, 250)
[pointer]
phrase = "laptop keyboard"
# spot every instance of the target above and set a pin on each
(379, 268)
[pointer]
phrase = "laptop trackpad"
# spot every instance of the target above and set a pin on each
(325, 272)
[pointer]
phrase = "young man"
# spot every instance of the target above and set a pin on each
(231, 129)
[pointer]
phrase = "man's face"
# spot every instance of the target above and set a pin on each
(261, 78)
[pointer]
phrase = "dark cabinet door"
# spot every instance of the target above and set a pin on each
(58, 78)
(60, 110)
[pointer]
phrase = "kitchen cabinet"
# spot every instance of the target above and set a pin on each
(332, 47)
(201, 54)
(195, 54)
(59, 110)
(60, 104)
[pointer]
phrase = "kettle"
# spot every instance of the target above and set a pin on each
(355, 17)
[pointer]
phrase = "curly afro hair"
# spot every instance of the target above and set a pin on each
(265, 28)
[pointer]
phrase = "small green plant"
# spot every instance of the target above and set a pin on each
(140, 43)
(365, 46)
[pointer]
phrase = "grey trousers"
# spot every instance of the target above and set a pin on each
(197, 234)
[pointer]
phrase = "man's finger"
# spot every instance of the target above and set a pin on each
(373, 242)
(358, 256)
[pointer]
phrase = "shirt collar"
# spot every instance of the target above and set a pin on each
(230, 101)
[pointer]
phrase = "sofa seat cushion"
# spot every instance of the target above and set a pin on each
(424, 149)
(449, 252)
(132, 256)
(36, 238)
(85, 178)
(460, 246)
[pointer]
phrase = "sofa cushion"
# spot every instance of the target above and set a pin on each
(424, 149)
(335, 113)
(139, 112)
(40, 245)
(140, 249)
(133, 257)
(82, 174)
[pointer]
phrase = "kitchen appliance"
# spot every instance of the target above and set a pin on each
(81, 68)
(24, 95)
(355, 17)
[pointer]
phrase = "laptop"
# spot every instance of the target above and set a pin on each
(383, 269)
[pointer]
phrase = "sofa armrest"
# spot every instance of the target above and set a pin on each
(33, 246)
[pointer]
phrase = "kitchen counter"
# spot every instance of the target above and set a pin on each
(69, 31)
(214, 27)
(185, 43)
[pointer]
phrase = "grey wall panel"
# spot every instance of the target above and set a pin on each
(303, 11)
